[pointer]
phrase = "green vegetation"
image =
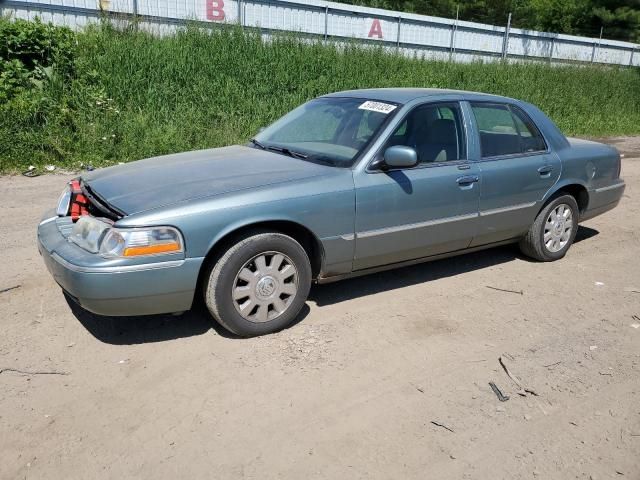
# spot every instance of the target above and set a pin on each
(107, 96)
(620, 19)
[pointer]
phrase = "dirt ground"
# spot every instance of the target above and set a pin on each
(355, 389)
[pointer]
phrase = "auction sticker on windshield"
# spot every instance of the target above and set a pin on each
(377, 107)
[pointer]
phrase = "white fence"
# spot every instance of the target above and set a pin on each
(429, 36)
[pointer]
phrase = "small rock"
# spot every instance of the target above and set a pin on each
(635, 325)
(527, 416)
(70, 345)
(50, 168)
(599, 284)
(593, 347)
(452, 457)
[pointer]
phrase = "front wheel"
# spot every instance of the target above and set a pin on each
(259, 285)
(553, 230)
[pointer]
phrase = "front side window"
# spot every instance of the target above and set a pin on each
(434, 131)
(506, 130)
(328, 130)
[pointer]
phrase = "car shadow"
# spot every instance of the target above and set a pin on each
(423, 272)
(198, 321)
(134, 330)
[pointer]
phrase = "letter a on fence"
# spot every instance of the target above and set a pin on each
(376, 29)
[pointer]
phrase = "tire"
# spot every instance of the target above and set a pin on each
(248, 272)
(549, 239)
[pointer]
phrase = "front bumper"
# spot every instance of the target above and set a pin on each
(116, 287)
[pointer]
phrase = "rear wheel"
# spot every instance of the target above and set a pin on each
(259, 285)
(553, 230)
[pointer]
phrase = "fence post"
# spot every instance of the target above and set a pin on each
(240, 22)
(593, 52)
(326, 21)
(553, 44)
(454, 28)
(135, 8)
(398, 35)
(505, 44)
(633, 50)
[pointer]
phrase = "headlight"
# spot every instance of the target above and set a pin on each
(87, 233)
(63, 202)
(141, 241)
(99, 237)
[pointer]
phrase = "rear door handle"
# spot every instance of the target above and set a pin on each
(545, 170)
(468, 179)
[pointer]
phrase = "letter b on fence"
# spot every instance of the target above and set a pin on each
(215, 10)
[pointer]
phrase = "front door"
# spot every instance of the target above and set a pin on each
(517, 171)
(426, 210)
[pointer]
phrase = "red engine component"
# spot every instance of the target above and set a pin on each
(79, 203)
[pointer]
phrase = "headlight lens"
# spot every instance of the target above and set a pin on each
(87, 233)
(97, 236)
(141, 241)
(64, 202)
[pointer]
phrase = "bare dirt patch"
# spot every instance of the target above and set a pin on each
(349, 392)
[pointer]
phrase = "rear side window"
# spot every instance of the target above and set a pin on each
(506, 130)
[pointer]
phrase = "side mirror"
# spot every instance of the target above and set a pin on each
(400, 156)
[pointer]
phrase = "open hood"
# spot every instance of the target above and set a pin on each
(166, 180)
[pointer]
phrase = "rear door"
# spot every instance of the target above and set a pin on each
(517, 170)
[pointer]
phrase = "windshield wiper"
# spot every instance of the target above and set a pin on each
(287, 151)
(257, 143)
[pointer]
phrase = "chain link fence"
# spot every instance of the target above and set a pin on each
(410, 34)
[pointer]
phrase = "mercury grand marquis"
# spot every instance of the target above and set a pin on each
(346, 184)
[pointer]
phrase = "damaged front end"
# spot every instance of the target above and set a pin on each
(78, 200)
(93, 227)
(111, 269)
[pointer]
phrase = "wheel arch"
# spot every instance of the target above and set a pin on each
(300, 233)
(575, 188)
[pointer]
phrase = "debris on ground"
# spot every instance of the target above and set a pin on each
(499, 394)
(593, 347)
(50, 168)
(30, 172)
(632, 290)
(551, 365)
(519, 292)
(8, 289)
(523, 390)
(441, 425)
(26, 372)
(599, 284)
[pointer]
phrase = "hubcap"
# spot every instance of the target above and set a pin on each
(265, 286)
(558, 228)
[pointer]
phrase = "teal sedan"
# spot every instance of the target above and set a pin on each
(346, 184)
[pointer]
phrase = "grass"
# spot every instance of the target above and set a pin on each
(133, 95)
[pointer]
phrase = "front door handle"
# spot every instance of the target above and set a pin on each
(468, 179)
(545, 170)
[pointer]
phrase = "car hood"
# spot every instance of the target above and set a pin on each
(166, 180)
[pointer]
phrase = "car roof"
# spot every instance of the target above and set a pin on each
(404, 95)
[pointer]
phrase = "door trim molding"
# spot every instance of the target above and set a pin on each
(510, 208)
(413, 226)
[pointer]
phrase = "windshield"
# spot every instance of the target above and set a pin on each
(327, 130)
